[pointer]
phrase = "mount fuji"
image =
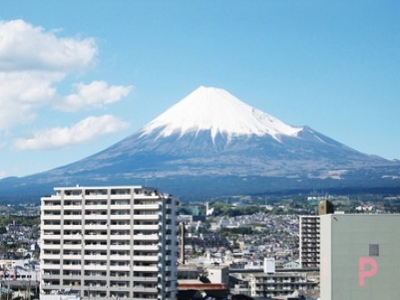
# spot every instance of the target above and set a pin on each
(211, 144)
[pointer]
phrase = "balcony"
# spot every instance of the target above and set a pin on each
(95, 196)
(117, 287)
(48, 286)
(49, 278)
(145, 268)
(51, 236)
(70, 196)
(73, 207)
(71, 267)
(95, 267)
(51, 267)
(89, 246)
(91, 274)
(146, 217)
(145, 279)
(96, 235)
(51, 227)
(115, 246)
(100, 257)
(124, 237)
(121, 206)
(52, 217)
(96, 217)
(122, 196)
(72, 227)
(116, 267)
(146, 237)
(50, 207)
(120, 227)
(123, 217)
(68, 217)
(153, 247)
(72, 237)
(151, 258)
(146, 227)
(144, 289)
(50, 246)
(147, 206)
(120, 257)
(103, 207)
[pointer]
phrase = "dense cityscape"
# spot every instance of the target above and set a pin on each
(234, 248)
(199, 150)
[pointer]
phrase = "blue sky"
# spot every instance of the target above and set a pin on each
(78, 76)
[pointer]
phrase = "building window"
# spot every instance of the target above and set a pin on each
(373, 249)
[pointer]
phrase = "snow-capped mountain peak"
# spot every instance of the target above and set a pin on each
(216, 110)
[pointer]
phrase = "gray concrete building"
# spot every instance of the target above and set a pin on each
(309, 238)
(360, 257)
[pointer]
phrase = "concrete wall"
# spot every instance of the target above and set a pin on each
(219, 274)
(360, 257)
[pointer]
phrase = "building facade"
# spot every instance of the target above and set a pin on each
(218, 274)
(109, 242)
(279, 284)
(360, 256)
(309, 241)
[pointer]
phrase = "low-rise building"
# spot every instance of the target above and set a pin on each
(272, 284)
(218, 274)
(278, 284)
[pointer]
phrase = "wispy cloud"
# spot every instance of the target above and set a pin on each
(82, 132)
(93, 95)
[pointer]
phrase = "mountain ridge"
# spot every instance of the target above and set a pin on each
(251, 151)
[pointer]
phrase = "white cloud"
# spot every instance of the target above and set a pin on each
(24, 47)
(20, 94)
(94, 95)
(34, 62)
(83, 131)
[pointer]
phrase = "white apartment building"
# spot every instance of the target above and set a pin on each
(109, 242)
(270, 285)
(309, 241)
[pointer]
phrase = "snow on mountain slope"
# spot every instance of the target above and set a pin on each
(220, 112)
